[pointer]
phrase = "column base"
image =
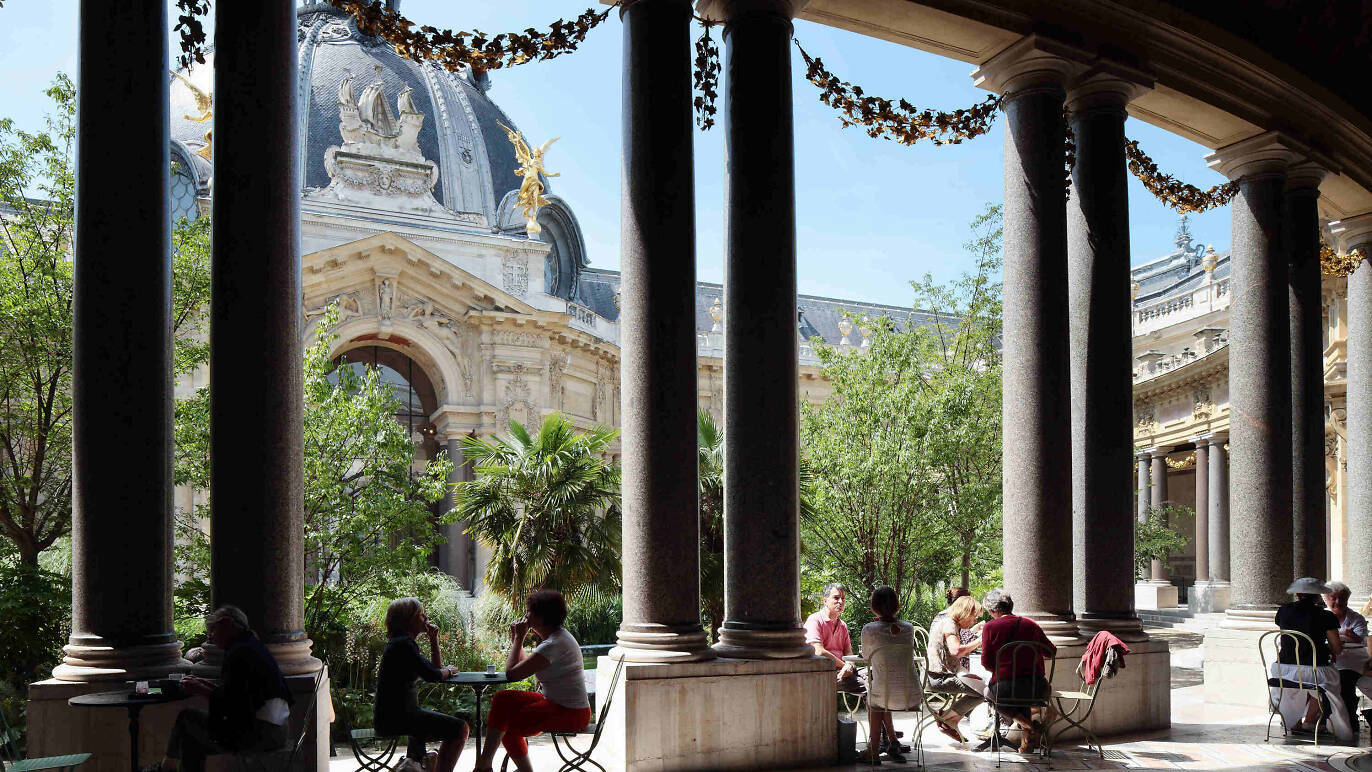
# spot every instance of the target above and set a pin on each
(1251, 618)
(1125, 626)
(1058, 629)
(1233, 668)
(1208, 597)
(740, 640)
(1154, 595)
(1137, 699)
(292, 655)
(90, 658)
(661, 643)
(691, 715)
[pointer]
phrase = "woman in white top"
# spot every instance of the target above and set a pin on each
(561, 706)
(1352, 661)
(891, 684)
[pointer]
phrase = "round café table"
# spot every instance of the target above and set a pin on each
(131, 701)
(478, 682)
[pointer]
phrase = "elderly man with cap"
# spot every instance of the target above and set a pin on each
(1306, 614)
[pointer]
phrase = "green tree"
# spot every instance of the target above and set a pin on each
(547, 505)
(37, 209)
(1153, 540)
(366, 511)
(906, 453)
(710, 493)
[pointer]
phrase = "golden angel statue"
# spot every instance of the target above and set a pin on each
(530, 166)
(204, 102)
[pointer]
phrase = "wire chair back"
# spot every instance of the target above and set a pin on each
(1304, 681)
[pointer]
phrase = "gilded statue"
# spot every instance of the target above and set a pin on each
(530, 196)
(205, 104)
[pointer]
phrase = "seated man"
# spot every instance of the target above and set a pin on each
(1020, 676)
(248, 709)
(828, 634)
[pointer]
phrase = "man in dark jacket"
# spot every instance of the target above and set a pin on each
(248, 708)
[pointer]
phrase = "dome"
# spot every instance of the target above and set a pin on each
(459, 132)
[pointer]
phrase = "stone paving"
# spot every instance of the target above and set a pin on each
(1202, 737)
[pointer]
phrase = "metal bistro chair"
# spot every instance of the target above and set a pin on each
(1020, 697)
(1306, 682)
(1085, 697)
(562, 741)
(898, 685)
(287, 754)
(12, 761)
(377, 761)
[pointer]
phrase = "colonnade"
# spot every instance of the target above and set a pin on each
(122, 391)
(1211, 535)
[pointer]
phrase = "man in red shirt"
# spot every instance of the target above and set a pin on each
(826, 631)
(1019, 674)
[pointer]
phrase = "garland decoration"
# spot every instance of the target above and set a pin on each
(899, 120)
(1335, 263)
(1172, 191)
(1069, 150)
(705, 76)
(192, 31)
(475, 49)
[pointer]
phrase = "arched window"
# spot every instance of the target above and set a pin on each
(183, 198)
(408, 381)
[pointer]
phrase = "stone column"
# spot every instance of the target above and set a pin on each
(1211, 591)
(761, 420)
(1356, 233)
(1141, 491)
(121, 381)
(1030, 76)
(455, 557)
(1219, 510)
(1158, 498)
(1202, 544)
(1101, 350)
(1259, 381)
(256, 411)
(661, 548)
(1309, 553)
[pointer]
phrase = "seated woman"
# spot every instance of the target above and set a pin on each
(887, 688)
(556, 661)
(949, 665)
(248, 709)
(1306, 615)
(397, 699)
(1352, 661)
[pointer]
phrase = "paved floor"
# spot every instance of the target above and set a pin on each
(1202, 737)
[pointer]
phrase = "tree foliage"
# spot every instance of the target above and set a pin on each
(367, 511)
(1153, 540)
(547, 505)
(906, 453)
(710, 495)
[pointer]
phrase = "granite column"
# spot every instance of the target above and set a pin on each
(1356, 234)
(122, 351)
(661, 530)
(1202, 545)
(1309, 548)
(761, 346)
(1100, 335)
(1141, 491)
(456, 556)
(1037, 418)
(256, 400)
(1158, 498)
(1259, 381)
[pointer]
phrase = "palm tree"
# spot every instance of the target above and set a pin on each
(547, 505)
(710, 445)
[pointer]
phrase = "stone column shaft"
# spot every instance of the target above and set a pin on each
(1219, 510)
(1309, 554)
(761, 399)
(1101, 349)
(661, 541)
(1141, 490)
(1259, 382)
(1158, 498)
(1358, 514)
(455, 557)
(1202, 544)
(1036, 409)
(256, 411)
(122, 370)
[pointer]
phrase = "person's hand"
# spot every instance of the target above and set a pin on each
(197, 686)
(518, 629)
(432, 630)
(846, 670)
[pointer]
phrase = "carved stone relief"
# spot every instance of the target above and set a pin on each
(348, 307)
(514, 274)
(385, 299)
(1145, 418)
(557, 365)
(513, 338)
(517, 404)
(1203, 406)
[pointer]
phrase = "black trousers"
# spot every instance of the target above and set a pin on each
(1348, 689)
(421, 726)
(191, 741)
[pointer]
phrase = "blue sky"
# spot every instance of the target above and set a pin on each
(871, 214)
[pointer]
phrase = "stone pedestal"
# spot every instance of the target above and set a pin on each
(1233, 670)
(725, 714)
(1208, 597)
(1155, 595)
(1137, 699)
(56, 728)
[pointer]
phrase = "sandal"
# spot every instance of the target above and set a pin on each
(949, 730)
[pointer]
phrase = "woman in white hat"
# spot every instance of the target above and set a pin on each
(1307, 615)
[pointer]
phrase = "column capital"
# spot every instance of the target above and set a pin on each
(1305, 176)
(728, 10)
(1268, 153)
(1158, 451)
(1352, 231)
(454, 421)
(1106, 85)
(1200, 439)
(1033, 62)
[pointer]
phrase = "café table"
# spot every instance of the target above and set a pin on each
(131, 701)
(478, 682)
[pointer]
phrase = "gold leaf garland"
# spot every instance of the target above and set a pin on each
(1171, 191)
(899, 120)
(192, 31)
(1335, 263)
(705, 76)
